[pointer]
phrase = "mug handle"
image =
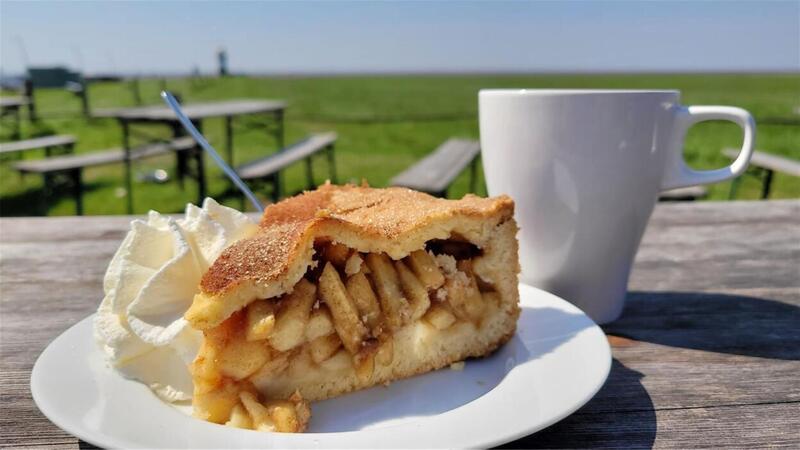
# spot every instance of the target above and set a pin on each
(678, 174)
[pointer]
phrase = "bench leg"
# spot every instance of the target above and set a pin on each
(332, 164)
(180, 168)
(229, 139)
(766, 185)
(309, 173)
(77, 190)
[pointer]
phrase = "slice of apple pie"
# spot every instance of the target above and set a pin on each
(347, 287)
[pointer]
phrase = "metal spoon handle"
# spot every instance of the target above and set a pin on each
(170, 100)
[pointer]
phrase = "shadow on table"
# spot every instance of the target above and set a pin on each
(722, 323)
(620, 415)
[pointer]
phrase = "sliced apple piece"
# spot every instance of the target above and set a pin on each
(260, 320)
(415, 292)
(426, 269)
(324, 347)
(365, 300)
(293, 317)
(393, 304)
(344, 312)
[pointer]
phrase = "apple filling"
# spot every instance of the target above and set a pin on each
(340, 317)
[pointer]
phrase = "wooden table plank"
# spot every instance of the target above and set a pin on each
(706, 354)
(198, 111)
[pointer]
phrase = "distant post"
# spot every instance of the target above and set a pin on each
(222, 61)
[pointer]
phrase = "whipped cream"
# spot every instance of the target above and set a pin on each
(149, 285)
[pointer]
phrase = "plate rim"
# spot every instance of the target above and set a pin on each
(44, 405)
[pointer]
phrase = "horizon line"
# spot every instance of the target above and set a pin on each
(421, 72)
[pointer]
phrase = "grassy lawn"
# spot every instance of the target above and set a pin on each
(385, 123)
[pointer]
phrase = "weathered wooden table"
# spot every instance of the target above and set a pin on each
(271, 110)
(706, 354)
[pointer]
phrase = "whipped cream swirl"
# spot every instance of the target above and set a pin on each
(149, 285)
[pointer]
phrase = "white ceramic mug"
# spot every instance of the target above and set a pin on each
(585, 168)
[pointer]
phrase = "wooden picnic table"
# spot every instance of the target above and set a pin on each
(707, 352)
(273, 110)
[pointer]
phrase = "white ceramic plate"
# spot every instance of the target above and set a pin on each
(554, 364)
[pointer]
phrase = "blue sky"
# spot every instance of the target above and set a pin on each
(277, 37)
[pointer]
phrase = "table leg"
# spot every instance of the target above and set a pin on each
(17, 134)
(181, 164)
(279, 130)
(77, 190)
(201, 175)
(29, 95)
(229, 138)
(180, 168)
(126, 144)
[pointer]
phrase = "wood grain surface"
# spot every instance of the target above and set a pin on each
(707, 353)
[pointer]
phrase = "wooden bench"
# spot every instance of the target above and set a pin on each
(269, 168)
(62, 142)
(688, 193)
(71, 167)
(764, 165)
(437, 171)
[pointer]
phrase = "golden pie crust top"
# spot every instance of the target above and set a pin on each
(396, 221)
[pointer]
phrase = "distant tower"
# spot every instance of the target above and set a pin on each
(222, 60)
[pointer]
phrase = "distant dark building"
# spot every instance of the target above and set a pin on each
(222, 60)
(53, 77)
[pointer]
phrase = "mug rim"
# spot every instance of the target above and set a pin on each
(572, 92)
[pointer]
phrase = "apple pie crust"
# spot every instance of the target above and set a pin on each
(347, 287)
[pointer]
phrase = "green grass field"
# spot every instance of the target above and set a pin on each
(385, 123)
